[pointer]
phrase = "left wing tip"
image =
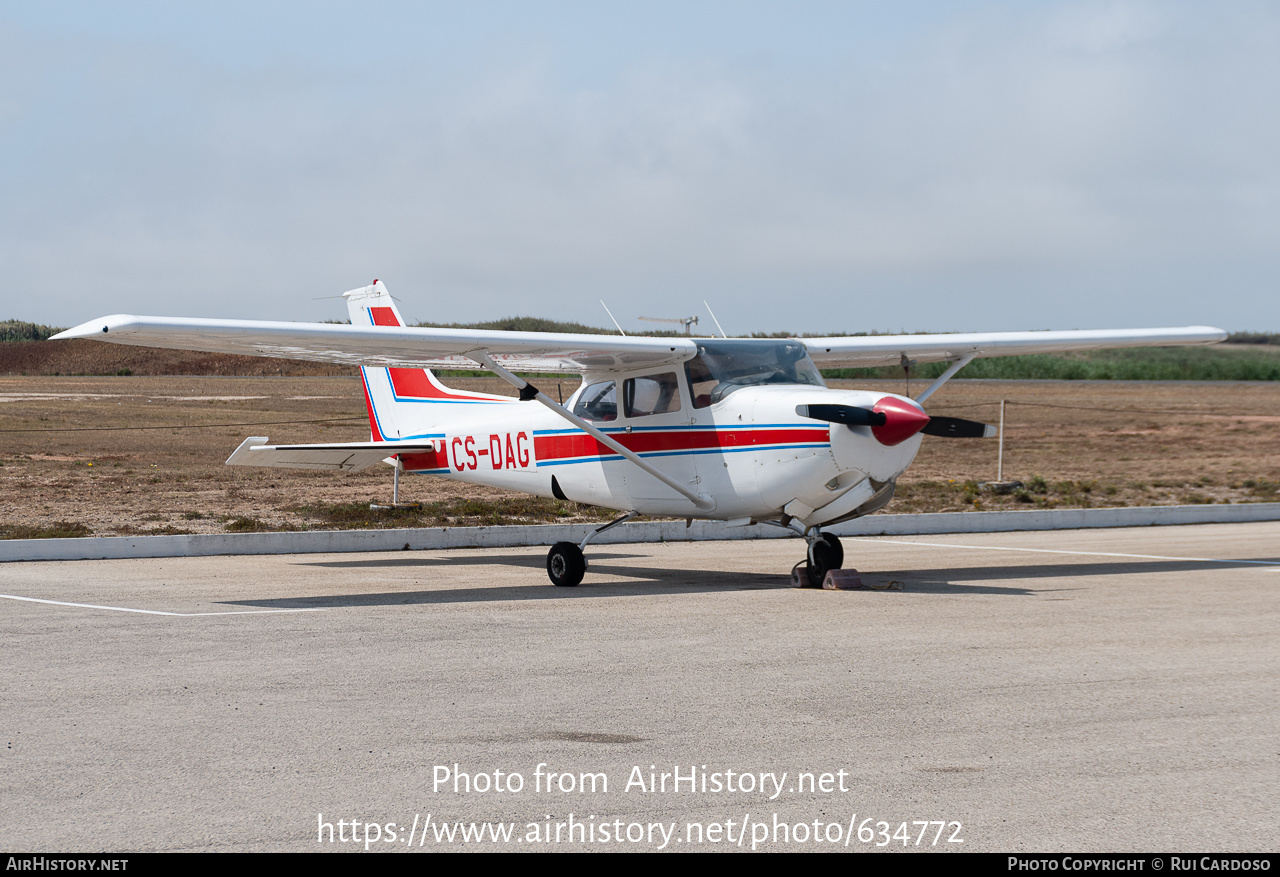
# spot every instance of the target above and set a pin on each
(93, 328)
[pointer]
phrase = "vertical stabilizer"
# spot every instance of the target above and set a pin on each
(372, 306)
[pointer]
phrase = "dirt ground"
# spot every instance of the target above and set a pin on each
(83, 357)
(144, 454)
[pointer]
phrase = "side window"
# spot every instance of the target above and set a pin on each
(598, 402)
(651, 394)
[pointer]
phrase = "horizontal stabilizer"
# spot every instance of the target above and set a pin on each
(349, 456)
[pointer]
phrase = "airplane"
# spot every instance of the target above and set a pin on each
(739, 430)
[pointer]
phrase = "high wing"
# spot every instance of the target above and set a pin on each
(875, 350)
(395, 346)
(389, 346)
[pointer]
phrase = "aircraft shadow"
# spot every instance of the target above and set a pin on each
(647, 581)
(643, 581)
(427, 559)
(951, 580)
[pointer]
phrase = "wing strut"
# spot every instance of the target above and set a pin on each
(529, 391)
(946, 375)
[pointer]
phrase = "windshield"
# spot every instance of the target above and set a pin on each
(598, 402)
(724, 366)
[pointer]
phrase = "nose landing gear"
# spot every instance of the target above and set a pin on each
(825, 554)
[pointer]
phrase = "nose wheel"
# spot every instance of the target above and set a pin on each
(825, 554)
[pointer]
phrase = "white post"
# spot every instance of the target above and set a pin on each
(395, 485)
(1000, 458)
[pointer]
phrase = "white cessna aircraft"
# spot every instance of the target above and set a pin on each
(738, 430)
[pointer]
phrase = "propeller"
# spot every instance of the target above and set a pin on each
(893, 421)
(849, 415)
(955, 427)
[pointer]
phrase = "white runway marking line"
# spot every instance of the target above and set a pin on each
(1271, 565)
(156, 611)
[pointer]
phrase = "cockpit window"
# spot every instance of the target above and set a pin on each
(598, 402)
(724, 366)
(651, 394)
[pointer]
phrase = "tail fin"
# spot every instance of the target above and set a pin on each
(403, 403)
(372, 306)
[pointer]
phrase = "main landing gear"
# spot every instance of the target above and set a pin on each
(566, 564)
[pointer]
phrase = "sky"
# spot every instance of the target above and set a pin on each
(800, 166)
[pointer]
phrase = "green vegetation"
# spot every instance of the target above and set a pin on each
(247, 525)
(56, 530)
(1254, 338)
(166, 530)
(524, 324)
(1035, 491)
(1219, 363)
(1262, 488)
(20, 330)
(455, 511)
(1039, 492)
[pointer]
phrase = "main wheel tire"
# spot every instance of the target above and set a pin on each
(822, 558)
(565, 564)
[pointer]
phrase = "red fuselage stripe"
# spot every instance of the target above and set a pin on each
(420, 461)
(560, 447)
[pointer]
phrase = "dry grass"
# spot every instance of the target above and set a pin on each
(1158, 444)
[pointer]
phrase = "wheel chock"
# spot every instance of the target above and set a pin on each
(842, 580)
(800, 575)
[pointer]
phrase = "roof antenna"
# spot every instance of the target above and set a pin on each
(610, 313)
(713, 318)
